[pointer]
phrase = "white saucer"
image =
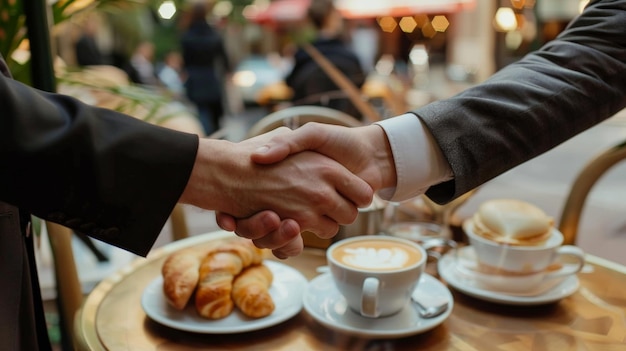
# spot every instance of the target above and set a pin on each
(471, 286)
(286, 291)
(326, 305)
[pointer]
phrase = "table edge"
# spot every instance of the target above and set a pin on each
(86, 338)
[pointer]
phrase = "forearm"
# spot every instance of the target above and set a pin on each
(215, 171)
(94, 170)
(306, 187)
(528, 107)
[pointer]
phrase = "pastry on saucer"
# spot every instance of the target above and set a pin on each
(512, 222)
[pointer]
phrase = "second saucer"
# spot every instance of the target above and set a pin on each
(464, 280)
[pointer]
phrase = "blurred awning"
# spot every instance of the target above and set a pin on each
(283, 11)
(400, 8)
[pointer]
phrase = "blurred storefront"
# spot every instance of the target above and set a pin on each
(390, 27)
(522, 26)
(463, 41)
(386, 34)
(465, 34)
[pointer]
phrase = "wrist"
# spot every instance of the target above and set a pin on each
(382, 156)
(200, 189)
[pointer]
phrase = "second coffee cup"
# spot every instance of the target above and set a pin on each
(376, 274)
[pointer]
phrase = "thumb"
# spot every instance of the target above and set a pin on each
(225, 221)
(285, 144)
(271, 152)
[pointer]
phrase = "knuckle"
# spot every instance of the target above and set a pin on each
(329, 231)
(352, 214)
(321, 199)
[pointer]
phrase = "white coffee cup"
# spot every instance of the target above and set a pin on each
(376, 274)
(531, 264)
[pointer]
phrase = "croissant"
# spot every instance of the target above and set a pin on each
(251, 291)
(180, 273)
(217, 272)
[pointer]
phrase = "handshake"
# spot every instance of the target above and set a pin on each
(272, 187)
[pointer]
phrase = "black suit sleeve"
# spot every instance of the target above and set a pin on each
(102, 173)
(531, 106)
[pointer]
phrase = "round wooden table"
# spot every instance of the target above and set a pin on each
(593, 318)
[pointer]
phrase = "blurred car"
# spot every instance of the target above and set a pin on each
(256, 77)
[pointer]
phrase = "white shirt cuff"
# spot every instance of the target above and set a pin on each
(418, 159)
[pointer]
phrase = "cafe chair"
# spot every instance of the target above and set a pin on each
(178, 222)
(379, 90)
(274, 94)
(584, 182)
(295, 116)
(68, 286)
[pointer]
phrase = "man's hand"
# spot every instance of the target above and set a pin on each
(314, 192)
(266, 231)
(365, 151)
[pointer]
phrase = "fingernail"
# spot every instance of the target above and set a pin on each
(262, 149)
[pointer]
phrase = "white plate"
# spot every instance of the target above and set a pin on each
(286, 291)
(468, 285)
(326, 305)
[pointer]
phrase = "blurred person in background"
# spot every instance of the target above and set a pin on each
(206, 65)
(172, 75)
(141, 70)
(86, 47)
(310, 83)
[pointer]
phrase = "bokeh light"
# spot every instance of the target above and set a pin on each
(407, 24)
(222, 9)
(387, 24)
(505, 20)
(440, 23)
(167, 9)
(428, 31)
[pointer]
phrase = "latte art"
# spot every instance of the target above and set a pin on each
(372, 258)
(377, 255)
(375, 273)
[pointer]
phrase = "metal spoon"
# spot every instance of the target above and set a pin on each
(429, 311)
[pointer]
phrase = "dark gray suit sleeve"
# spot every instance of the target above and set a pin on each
(531, 106)
(102, 173)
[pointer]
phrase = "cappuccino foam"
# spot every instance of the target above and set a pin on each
(513, 222)
(376, 255)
